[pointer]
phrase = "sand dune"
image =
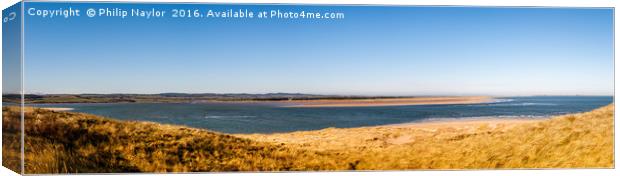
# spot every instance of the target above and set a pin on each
(583, 140)
(395, 134)
(76, 142)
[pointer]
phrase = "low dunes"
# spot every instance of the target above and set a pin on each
(65, 142)
(60, 142)
(583, 140)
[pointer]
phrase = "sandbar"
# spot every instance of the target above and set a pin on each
(390, 101)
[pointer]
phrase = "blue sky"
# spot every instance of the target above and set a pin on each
(11, 69)
(372, 51)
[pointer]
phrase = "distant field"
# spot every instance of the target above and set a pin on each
(75, 142)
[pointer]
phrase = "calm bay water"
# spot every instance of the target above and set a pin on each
(268, 118)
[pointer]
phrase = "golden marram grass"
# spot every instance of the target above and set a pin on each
(76, 142)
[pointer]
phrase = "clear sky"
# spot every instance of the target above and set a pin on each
(11, 37)
(387, 50)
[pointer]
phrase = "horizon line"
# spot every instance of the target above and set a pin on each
(334, 94)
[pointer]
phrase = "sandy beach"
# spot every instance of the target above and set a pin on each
(479, 143)
(58, 109)
(389, 135)
(464, 122)
(389, 101)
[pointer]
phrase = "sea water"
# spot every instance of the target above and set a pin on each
(270, 118)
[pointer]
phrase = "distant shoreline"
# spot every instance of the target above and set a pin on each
(329, 102)
(391, 101)
(285, 99)
(58, 109)
(278, 99)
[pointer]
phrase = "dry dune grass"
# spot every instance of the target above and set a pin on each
(572, 141)
(10, 141)
(60, 142)
(75, 142)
